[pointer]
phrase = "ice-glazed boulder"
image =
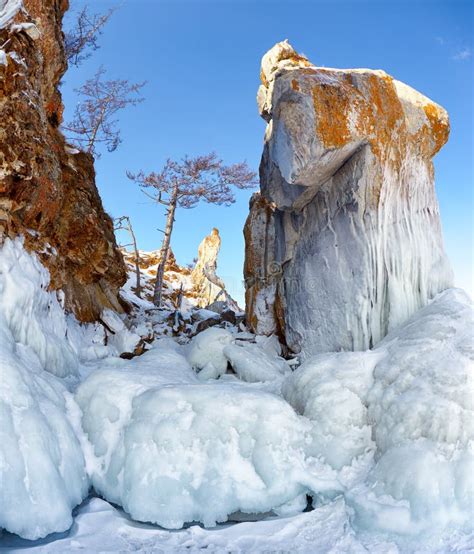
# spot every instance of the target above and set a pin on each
(206, 352)
(172, 450)
(343, 243)
(253, 364)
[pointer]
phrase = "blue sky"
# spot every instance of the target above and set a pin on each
(201, 60)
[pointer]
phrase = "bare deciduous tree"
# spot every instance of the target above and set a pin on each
(82, 37)
(183, 184)
(124, 223)
(93, 121)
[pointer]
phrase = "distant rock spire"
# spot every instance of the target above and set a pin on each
(208, 285)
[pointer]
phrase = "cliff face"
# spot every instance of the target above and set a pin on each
(344, 242)
(48, 192)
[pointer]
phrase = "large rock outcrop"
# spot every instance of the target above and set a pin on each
(47, 189)
(343, 243)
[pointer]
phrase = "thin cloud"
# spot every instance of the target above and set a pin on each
(463, 54)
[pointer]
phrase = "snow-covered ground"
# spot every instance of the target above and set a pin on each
(350, 452)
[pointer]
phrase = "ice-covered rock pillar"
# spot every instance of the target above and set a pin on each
(344, 242)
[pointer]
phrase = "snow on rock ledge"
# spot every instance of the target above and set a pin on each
(410, 400)
(351, 244)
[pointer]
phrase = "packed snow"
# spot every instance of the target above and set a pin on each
(100, 527)
(377, 444)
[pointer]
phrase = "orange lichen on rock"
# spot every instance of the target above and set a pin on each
(343, 111)
(369, 108)
(299, 59)
(439, 127)
(331, 106)
(386, 117)
(295, 85)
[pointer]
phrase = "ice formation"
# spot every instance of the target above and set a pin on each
(331, 390)
(253, 364)
(382, 440)
(206, 352)
(42, 466)
(410, 400)
(212, 351)
(42, 471)
(347, 196)
(388, 430)
(34, 316)
(171, 451)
